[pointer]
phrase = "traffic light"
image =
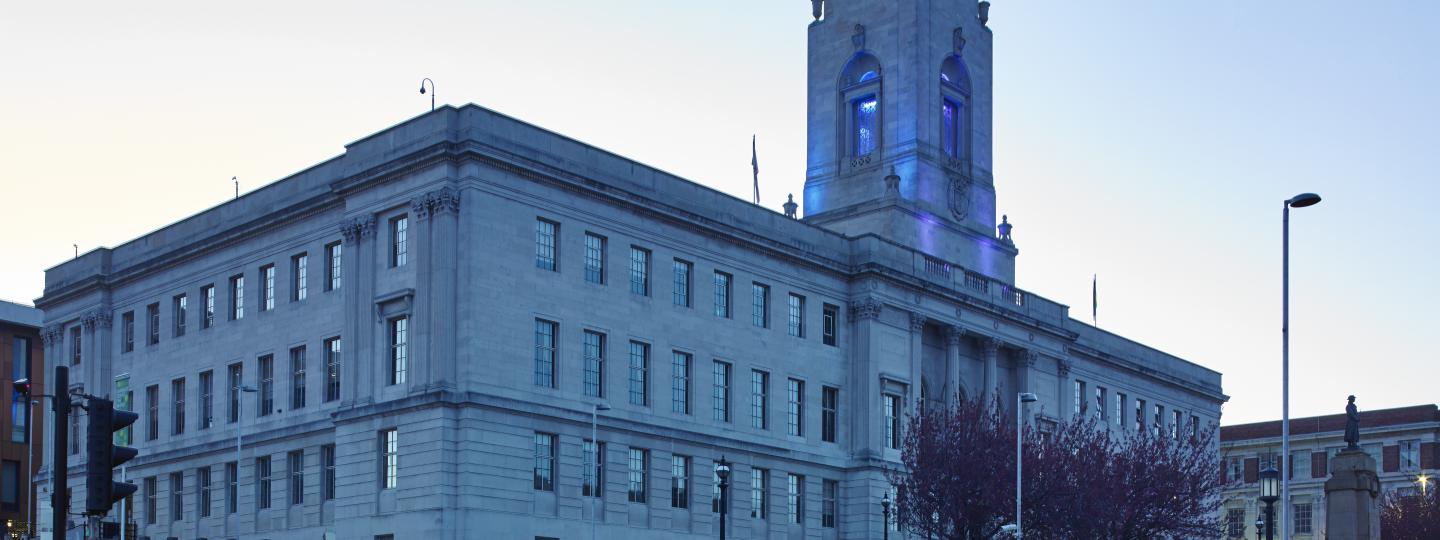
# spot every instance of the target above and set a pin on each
(101, 489)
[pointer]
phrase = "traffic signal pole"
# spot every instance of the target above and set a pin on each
(60, 462)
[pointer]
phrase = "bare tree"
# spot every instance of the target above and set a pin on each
(1410, 517)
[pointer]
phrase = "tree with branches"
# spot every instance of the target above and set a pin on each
(1410, 516)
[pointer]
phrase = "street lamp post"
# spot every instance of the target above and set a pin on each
(1299, 201)
(239, 431)
(432, 91)
(1269, 478)
(594, 461)
(1259, 524)
(722, 471)
(885, 515)
(1020, 400)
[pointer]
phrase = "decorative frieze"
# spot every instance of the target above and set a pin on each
(917, 322)
(865, 309)
(356, 228)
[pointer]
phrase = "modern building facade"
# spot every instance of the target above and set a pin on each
(431, 321)
(1404, 442)
(21, 357)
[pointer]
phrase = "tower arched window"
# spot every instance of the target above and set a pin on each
(954, 108)
(860, 101)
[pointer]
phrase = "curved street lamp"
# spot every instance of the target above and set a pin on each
(1299, 201)
(1020, 400)
(432, 91)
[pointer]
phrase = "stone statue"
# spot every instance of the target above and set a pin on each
(1352, 426)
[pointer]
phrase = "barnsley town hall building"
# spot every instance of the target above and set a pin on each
(413, 337)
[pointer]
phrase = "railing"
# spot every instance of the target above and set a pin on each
(937, 267)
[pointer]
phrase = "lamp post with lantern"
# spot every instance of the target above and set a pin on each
(722, 471)
(885, 515)
(1269, 493)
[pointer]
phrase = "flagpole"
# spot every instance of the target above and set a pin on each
(1095, 300)
(755, 168)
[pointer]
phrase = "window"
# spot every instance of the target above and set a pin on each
(1080, 404)
(295, 463)
(680, 382)
(235, 382)
(152, 416)
(327, 472)
(267, 385)
(297, 378)
(757, 492)
(759, 397)
(639, 474)
(299, 273)
(682, 270)
(75, 349)
(892, 421)
(1303, 522)
(594, 258)
(1159, 419)
(177, 407)
(594, 364)
(720, 391)
(202, 491)
(19, 416)
(1410, 455)
(1100, 404)
(1234, 522)
(1237, 469)
(829, 407)
(760, 305)
(262, 482)
(1176, 418)
(830, 324)
(1194, 427)
(10, 485)
(177, 503)
(1139, 414)
(545, 352)
(152, 506)
(722, 294)
(75, 428)
(592, 476)
(795, 408)
(180, 307)
(865, 125)
(399, 241)
(830, 494)
(267, 281)
(953, 128)
(796, 326)
(333, 254)
(399, 349)
(679, 481)
(544, 462)
(795, 498)
(127, 331)
(639, 373)
(545, 232)
(389, 458)
(237, 297)
(639, 271)
(207, 293)
(1299, 463)
(152, 322)
(1119, 415)
(232, 487)
(332, 369)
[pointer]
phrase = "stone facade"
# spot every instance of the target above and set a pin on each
(520, 248)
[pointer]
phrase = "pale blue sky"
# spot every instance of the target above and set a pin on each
(1149, 142)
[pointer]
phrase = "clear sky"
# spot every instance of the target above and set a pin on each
(1148, 142)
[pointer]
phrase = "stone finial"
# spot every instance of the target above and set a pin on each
(984, 12)
(817, 8)
(790, 205)
(1004, 228)
(892, 182)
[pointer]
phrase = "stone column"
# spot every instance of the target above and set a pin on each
(358, 286)
(421, 317)
(917, 355)
(864, 401)
(444, 269)
(1062, 390)
(992, 368)
(954, 335)
(1351, 496)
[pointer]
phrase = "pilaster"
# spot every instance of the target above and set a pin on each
(954, 335)
(865, 443)
(992, 354)
(917, 356)
(357, 369)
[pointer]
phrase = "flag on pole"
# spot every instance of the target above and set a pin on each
(1094, 299)
(755, 167)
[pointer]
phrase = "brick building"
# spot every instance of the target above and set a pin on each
(20, 357)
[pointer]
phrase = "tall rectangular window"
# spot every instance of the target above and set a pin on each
(202, 491)
(1410, 455)
(1119, 416)
(235, 383)
(639, 373)
(152, 324)
(207, 295)
(892, 421)
(679, 382)
(757, 492)
(180, 308)
(207, 399)
(232, 487)
(639, 475)
(544, 462)
(399, 241)
(334, 254)
(267, 282)
(682, 271)
(829, 504)
(679, 481)
(262, 482)
(795, 407)
(720, 391)
(545, 352)
(75, 428)
(1080, 403)
(952, 131)
(389, 458)
(545, 232)
(1159, 423)
(332, 369)
(830, 324)
(152, 414)
(796, 326)
(267, 386)
(399, 349)
(10, 484)
(297, 377)
(299, 276)
(1304, 518)
(327, 472)
(594, 364)
(1299, 464)
(759, 399)
(1176, 418)
(829, 411)
(127, 331)
(594, 258)
(152, 506)
(592, 476)
(1100, 404)
(795, 498)
(760, 305)
(177, 406)
(722, 294)
(237, 297)
(75, 349)
(295, 464)
(639, 271)
(865, 131)
(1139, 414)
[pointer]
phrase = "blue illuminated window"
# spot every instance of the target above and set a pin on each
(865, 125)
(953, 128)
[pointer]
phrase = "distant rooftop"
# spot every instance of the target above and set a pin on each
(1332, 423)
(21, 314)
